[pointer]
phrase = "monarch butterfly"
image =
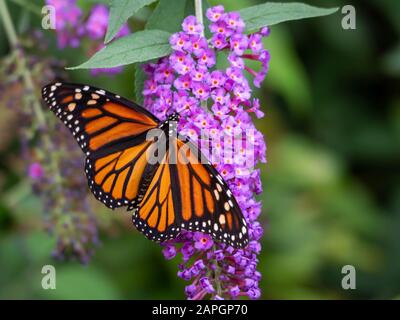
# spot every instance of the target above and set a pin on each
(166, 197)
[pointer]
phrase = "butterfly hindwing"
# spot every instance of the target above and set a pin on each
(114, 178)
(190, 195)
(208, 204)
(155, 216)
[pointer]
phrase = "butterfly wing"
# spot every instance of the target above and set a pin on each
(190, 195)
(167, 197)
(111, 132)
(114, 178)
(97, 119)
(155, 215)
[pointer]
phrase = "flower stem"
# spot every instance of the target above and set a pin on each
(217, 274)
(198, 9)
(29, 6)
(8, 26)
(31, 98)
(21, 62)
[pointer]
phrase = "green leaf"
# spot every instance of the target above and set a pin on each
(268, 14)
(138, 47)
(120, 11)
(140, 77)
(98, 1)
(168, 15)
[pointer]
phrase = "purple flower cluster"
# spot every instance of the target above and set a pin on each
(53, 161)
(36, 171)
(187, 82)
(72, 26)
(56, 177)
(68, 17)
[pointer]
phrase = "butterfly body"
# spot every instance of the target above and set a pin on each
(136, 161)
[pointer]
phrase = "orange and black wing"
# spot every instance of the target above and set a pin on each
(111, 132)
(97, 119)
(155, 215)
(116, 178)
(189, 194)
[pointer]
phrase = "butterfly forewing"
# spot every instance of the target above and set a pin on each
(97, 119)
(111, 131)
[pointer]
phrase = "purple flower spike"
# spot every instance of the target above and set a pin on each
(68, 15)
(186, 81)
(97, 23)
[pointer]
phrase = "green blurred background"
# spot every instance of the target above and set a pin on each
(331, 186)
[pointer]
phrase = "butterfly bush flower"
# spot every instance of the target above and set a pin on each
(72, 26)
(68, 17)
(185, 82)
(53, 161)
(35, 171)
